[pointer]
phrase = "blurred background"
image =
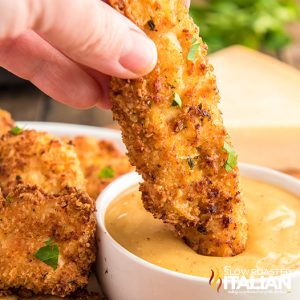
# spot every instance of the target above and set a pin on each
(270, 26)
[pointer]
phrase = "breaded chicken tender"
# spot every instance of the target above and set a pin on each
(32, 157)
(44, 199)
(174, 133)
(29, 217)
(6, 122)
(97, 155)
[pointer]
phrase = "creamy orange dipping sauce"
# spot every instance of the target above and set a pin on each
(273, 242)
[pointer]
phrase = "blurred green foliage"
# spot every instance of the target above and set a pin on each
(258, 24)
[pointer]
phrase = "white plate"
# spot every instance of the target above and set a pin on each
(71, 130)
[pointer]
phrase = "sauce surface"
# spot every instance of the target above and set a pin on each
(273, 241)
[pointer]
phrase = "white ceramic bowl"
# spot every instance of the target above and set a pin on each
(124, 276)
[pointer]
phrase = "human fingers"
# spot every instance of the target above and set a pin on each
(90, 32)
(32, 58)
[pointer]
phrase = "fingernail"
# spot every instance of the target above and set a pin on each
(139, 54)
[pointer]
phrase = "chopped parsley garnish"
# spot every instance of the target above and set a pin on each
(193, 50)
(177, 100)
(191, 163)
(107, 172)
(231, 161)
(48, 254)
(151, 25)
(16, 130)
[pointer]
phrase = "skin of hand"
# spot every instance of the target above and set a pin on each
(70, 48)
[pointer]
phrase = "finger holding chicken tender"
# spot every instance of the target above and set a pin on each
(32, 157)
(101, 162)
(47, 240)
(174, 133)
(6, 122)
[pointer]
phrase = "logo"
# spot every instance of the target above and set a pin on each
(251, 281)
(214, 278)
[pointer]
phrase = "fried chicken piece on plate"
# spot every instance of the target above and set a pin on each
(101, 162)
(32, 157)
(6, 122)
(31, 219)
(174, 133)
(44, 203)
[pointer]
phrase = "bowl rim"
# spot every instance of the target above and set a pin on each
(128, 180)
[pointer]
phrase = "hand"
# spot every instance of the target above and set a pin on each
(69, 48)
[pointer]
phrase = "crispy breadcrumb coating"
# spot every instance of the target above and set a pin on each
(174, 133)
(6, 122)
(94, 156)
(28, 217)
(32, 157)
(44, 198)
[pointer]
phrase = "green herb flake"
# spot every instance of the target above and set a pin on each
(193, 50)
(151, 24)
(191, 163)
(49, 254)
(177, 100)
(231, 161)
(107, 172)
(16, 130)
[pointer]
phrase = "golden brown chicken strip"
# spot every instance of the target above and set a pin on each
(32, 157)
(6, 122)
(31, 219)
(174, 133)
(44, 200)
(101, 163)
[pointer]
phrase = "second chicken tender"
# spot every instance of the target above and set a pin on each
(32, 219)
(101, 162)
(38, 158)
(174, 133)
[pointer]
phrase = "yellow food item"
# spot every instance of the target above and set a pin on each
(273, 243)
(95, 156)
(174, 133)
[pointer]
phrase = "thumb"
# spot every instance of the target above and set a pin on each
(92, 33)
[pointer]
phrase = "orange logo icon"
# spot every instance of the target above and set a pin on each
(213, 280)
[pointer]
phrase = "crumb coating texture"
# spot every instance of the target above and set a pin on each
(179, 150)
